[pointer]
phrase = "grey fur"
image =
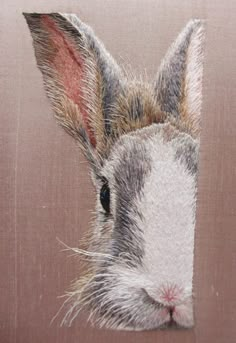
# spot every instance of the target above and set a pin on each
(187, 151)
(168, 86)
(113, 78)
(128, 184)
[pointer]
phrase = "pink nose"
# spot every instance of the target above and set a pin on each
(170, 294)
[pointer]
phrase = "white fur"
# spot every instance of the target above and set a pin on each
(168, 209)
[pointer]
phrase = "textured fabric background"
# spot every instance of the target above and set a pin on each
(45, 191)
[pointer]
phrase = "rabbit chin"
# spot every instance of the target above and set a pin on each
(148, 318)
(182, 318)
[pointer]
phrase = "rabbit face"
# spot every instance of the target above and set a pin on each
(142, 143)
(146, 278)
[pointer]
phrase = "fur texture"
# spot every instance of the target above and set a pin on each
(142, 142)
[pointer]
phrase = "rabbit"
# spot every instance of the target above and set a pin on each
(142, 143)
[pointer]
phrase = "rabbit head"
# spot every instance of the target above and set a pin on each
(142, 143)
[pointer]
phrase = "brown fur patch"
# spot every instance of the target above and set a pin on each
(136, 109)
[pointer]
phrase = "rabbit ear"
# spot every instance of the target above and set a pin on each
(179, 81)
(80, 77)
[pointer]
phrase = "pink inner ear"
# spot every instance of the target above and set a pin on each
(68, 64)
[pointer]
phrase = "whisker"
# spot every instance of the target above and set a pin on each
(87, 253)
(59, 311)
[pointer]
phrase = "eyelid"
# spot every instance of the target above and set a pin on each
(103, 180)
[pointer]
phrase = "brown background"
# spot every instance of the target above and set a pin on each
(45, 190)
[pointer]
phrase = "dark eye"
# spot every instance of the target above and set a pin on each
(105, 197)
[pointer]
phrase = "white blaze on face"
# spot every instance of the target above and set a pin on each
(167, 204)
